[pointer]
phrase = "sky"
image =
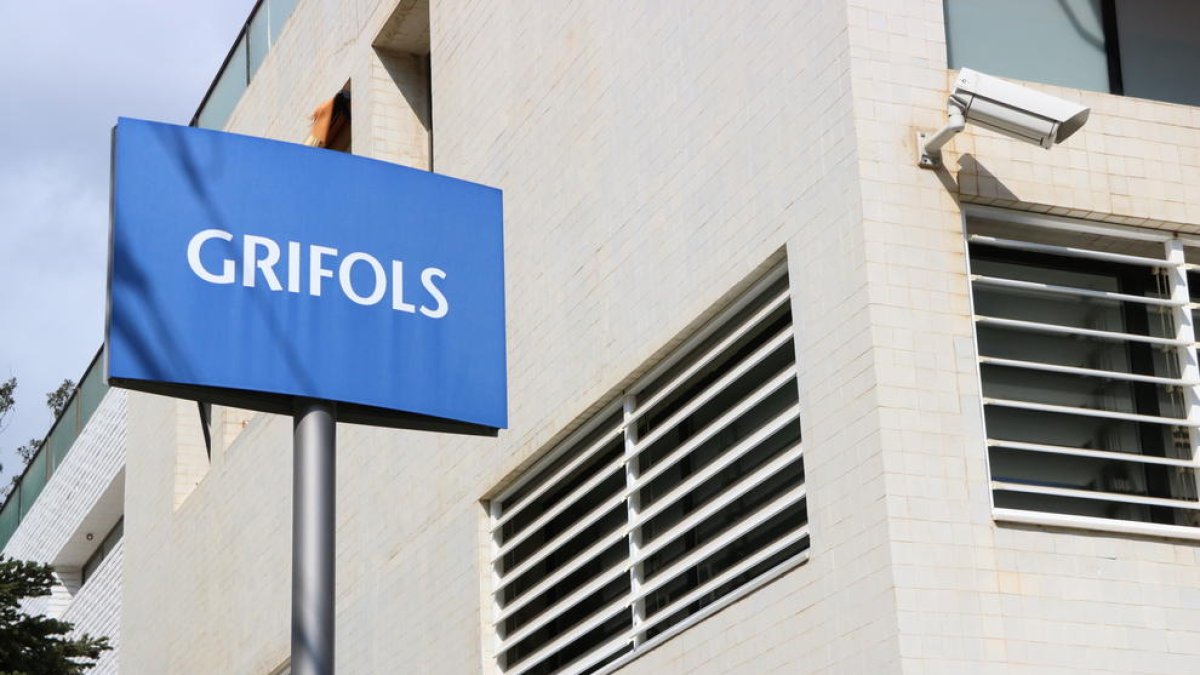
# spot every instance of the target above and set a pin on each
(68, 69)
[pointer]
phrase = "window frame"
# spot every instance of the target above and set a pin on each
(1110, 25)
(1003, 515)
(624, 409)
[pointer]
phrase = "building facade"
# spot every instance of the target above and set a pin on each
(67, 510)
(780, 400)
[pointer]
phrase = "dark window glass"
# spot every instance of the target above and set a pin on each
(1144, 48)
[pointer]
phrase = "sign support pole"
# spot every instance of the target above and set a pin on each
(313, 523)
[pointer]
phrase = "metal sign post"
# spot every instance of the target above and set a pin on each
(313, 525)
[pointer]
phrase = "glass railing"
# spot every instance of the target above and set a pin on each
(55, 446)
(253, 42)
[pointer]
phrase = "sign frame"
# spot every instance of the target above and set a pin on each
(267, 401)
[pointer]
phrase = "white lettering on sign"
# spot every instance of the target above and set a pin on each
(347, 266)
(427, 276)
(193, 252)
(315, 271)
(261, 255)
(250, 261)
(398, 302)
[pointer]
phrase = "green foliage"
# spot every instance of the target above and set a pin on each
(35, 645)
(58, 399)
(7, 389)
(27, 451)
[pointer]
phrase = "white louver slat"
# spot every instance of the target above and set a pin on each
(671, 503)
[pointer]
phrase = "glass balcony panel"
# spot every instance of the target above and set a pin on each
(91, 392)
(278, 12)
(1054, 42)
(66, 430)
(258, 39)
(228, 90)
(10, 517)
(33, 481)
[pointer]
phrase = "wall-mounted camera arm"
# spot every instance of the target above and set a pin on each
(929, 146)
(1006, 108)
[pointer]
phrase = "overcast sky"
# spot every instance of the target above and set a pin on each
(68, 69)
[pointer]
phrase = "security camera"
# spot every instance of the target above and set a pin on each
(1003, 107)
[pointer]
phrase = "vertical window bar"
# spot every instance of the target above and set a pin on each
(497, 576)
(633, 507)
(1185, 331)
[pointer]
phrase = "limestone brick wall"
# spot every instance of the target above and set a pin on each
(654, 158)
(974, 595)
(96, 609)
(399, 106)
(192, 455)
(222, 556)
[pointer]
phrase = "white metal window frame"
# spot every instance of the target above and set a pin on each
(1184, 342)
(631, 411)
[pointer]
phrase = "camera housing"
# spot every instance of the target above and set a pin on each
(1006, 108)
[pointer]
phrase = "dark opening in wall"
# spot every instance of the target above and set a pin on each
(331, 123)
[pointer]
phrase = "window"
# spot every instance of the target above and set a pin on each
(106, 547)
(331, 126)
(669, 504)
(1144, 48)
(1087, 359)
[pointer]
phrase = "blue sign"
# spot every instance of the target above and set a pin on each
(247, 272)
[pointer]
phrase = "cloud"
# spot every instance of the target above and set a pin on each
(72, 67)
(52, 265)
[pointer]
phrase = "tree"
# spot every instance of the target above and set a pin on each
(38, 645)
(7, 402)
(27, 451)
(58, 399)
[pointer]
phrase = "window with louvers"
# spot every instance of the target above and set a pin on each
(667, 505)
(1088, 363)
